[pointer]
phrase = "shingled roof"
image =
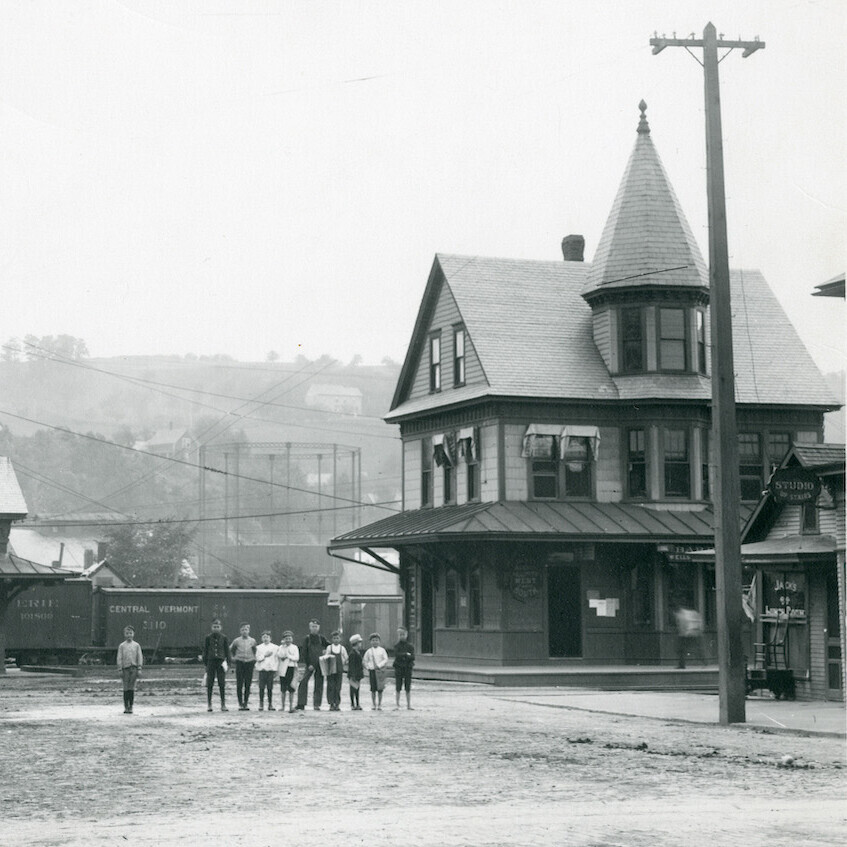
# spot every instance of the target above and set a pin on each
(532, 331)
(646, 239)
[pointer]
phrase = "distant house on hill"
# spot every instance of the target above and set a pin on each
(169, 442)
(335, 398)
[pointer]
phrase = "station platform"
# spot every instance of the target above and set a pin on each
(603, 677)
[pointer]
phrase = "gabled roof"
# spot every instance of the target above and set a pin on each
(11, 497)
(818, 455)
(821, 458)
(646, 240)
(518, 314)
(533, 521)
(533, 334)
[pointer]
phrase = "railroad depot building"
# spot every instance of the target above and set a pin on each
(555, 421)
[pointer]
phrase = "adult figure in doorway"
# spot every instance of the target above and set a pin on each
(311, 650)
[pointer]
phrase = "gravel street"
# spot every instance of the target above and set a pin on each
(470, 765)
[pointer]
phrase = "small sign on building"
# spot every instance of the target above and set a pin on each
(794, 485)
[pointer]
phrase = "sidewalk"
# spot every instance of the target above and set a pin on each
(815, 717)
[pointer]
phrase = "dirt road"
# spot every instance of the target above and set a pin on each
(469, 766)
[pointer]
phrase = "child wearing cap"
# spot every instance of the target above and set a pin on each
(375, 662)
(288, 655)
(243, 653)
(355, 671)
(404, 661)
(266, 664)
(336, 654)
(130, 662)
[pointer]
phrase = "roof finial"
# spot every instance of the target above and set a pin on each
(643, 126)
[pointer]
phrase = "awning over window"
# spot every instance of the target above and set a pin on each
(592, 433)
(443, 450)
(539, 442)
(467, 443)
(542, 440)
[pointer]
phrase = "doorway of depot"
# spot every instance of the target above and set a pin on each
(564, 611)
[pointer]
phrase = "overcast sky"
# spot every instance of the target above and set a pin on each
(238, 177)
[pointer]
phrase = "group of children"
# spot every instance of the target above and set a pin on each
(322, 659)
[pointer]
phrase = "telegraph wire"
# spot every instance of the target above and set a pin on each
(384, 504)
(174, 460)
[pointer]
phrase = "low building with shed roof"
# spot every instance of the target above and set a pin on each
(16, 573)
(556, 451)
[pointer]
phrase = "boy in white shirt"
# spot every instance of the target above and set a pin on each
(334, 678)
(375, 662)
(266, 664)
(130, 662)
(288, 655)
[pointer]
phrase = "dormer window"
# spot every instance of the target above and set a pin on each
(672, 340)
(435, 362)
(632, 341)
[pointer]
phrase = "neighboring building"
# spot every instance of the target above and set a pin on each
(793, 556)
(831, 288)
(16, 573)
(555, 421)
(170, 442)
(335, 398)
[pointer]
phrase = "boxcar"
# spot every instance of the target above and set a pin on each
(50, 623)
(174, 622)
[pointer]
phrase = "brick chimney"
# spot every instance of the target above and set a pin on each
(573, 247)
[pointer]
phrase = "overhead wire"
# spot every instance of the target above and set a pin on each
(175, 460)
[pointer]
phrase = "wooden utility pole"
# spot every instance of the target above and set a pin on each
(726, 492)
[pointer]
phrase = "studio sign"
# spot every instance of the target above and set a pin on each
(794, 485)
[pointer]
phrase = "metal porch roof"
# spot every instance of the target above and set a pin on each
(14, 567)
(533, 520)
(784, 550)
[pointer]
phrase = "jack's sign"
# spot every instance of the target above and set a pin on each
(794, 485)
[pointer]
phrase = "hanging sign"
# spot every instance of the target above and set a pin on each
(794, 485)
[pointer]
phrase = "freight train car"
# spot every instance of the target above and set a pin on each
(50, 624)
(174, 622)
(65, 622)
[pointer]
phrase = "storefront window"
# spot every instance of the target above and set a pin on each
(784, 593)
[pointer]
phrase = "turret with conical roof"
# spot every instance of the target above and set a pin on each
(648, 285)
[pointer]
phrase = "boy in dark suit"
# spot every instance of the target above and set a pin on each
(310, 654)
(215, 651)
